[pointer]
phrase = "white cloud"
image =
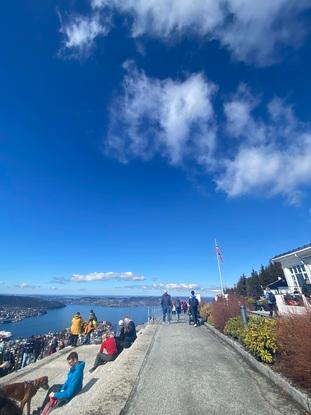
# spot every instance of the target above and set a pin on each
(263, 155)
(253, 31)
(273, 156)
(107, 276)
(173, 286)
(171, 118)
(25, 285)
(80, 33)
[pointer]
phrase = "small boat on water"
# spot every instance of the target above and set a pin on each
(6, 335)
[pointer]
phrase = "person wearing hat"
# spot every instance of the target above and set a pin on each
(75, 329)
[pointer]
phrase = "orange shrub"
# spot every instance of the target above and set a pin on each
(293, 335)
(225, 308)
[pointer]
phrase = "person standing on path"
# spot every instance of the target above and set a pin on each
(166, 304)
(178, 308)
(194, 305)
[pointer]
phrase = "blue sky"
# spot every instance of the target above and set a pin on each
(133, 133)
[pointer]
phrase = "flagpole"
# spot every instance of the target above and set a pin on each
(219, 269)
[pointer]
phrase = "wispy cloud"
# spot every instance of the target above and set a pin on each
(172, 118)
(272, 156)
(107, 276)
(252, 31)
(59, 280)
(25, 285)
(264, 155)
(80, 32)
(165, 286)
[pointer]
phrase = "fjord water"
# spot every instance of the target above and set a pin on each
(60, 318)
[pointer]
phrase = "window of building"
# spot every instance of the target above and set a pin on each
(299, 275)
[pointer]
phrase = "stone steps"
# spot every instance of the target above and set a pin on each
(108, 387)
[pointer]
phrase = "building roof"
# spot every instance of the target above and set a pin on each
(292, 251)
(278, 284)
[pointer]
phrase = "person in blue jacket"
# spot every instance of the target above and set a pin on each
(72, 386)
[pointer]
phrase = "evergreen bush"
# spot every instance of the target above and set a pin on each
(260, 338)
(235, 328)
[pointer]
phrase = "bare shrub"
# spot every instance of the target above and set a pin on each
(293, 335)
(225, 308)
(205, 310)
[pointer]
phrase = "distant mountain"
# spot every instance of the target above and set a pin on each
(33, 302)
(121, 301)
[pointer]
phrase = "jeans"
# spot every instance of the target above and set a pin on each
(166, 313)
(103, 358)
(26, 359)
(73, 339)
(194, 315)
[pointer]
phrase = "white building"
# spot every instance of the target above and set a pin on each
(296, 265)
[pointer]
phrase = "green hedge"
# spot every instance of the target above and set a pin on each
(258, 337)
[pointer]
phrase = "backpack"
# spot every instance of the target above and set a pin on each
(271, 298)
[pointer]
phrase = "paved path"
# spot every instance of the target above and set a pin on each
(190, 371)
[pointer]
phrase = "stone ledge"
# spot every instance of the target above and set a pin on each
(108, 389)
(298, 396)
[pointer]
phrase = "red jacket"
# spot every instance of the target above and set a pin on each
(110, 346)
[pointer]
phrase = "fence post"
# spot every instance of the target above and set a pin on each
(244, 314)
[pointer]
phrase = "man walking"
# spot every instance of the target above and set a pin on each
(166, 304)
(194, 304)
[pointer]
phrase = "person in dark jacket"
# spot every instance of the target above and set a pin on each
(178, 308)
(193, 308)
(271, 302)
(166, 304)
(73, 385)
(127, 334)
(92, 316)
(38, 346)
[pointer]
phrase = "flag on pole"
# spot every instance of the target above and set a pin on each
(218, 252)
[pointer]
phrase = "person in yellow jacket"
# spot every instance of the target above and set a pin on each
(75, 329)
(88, 328)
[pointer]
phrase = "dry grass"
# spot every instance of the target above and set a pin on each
(223, 309)
(293, 335)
